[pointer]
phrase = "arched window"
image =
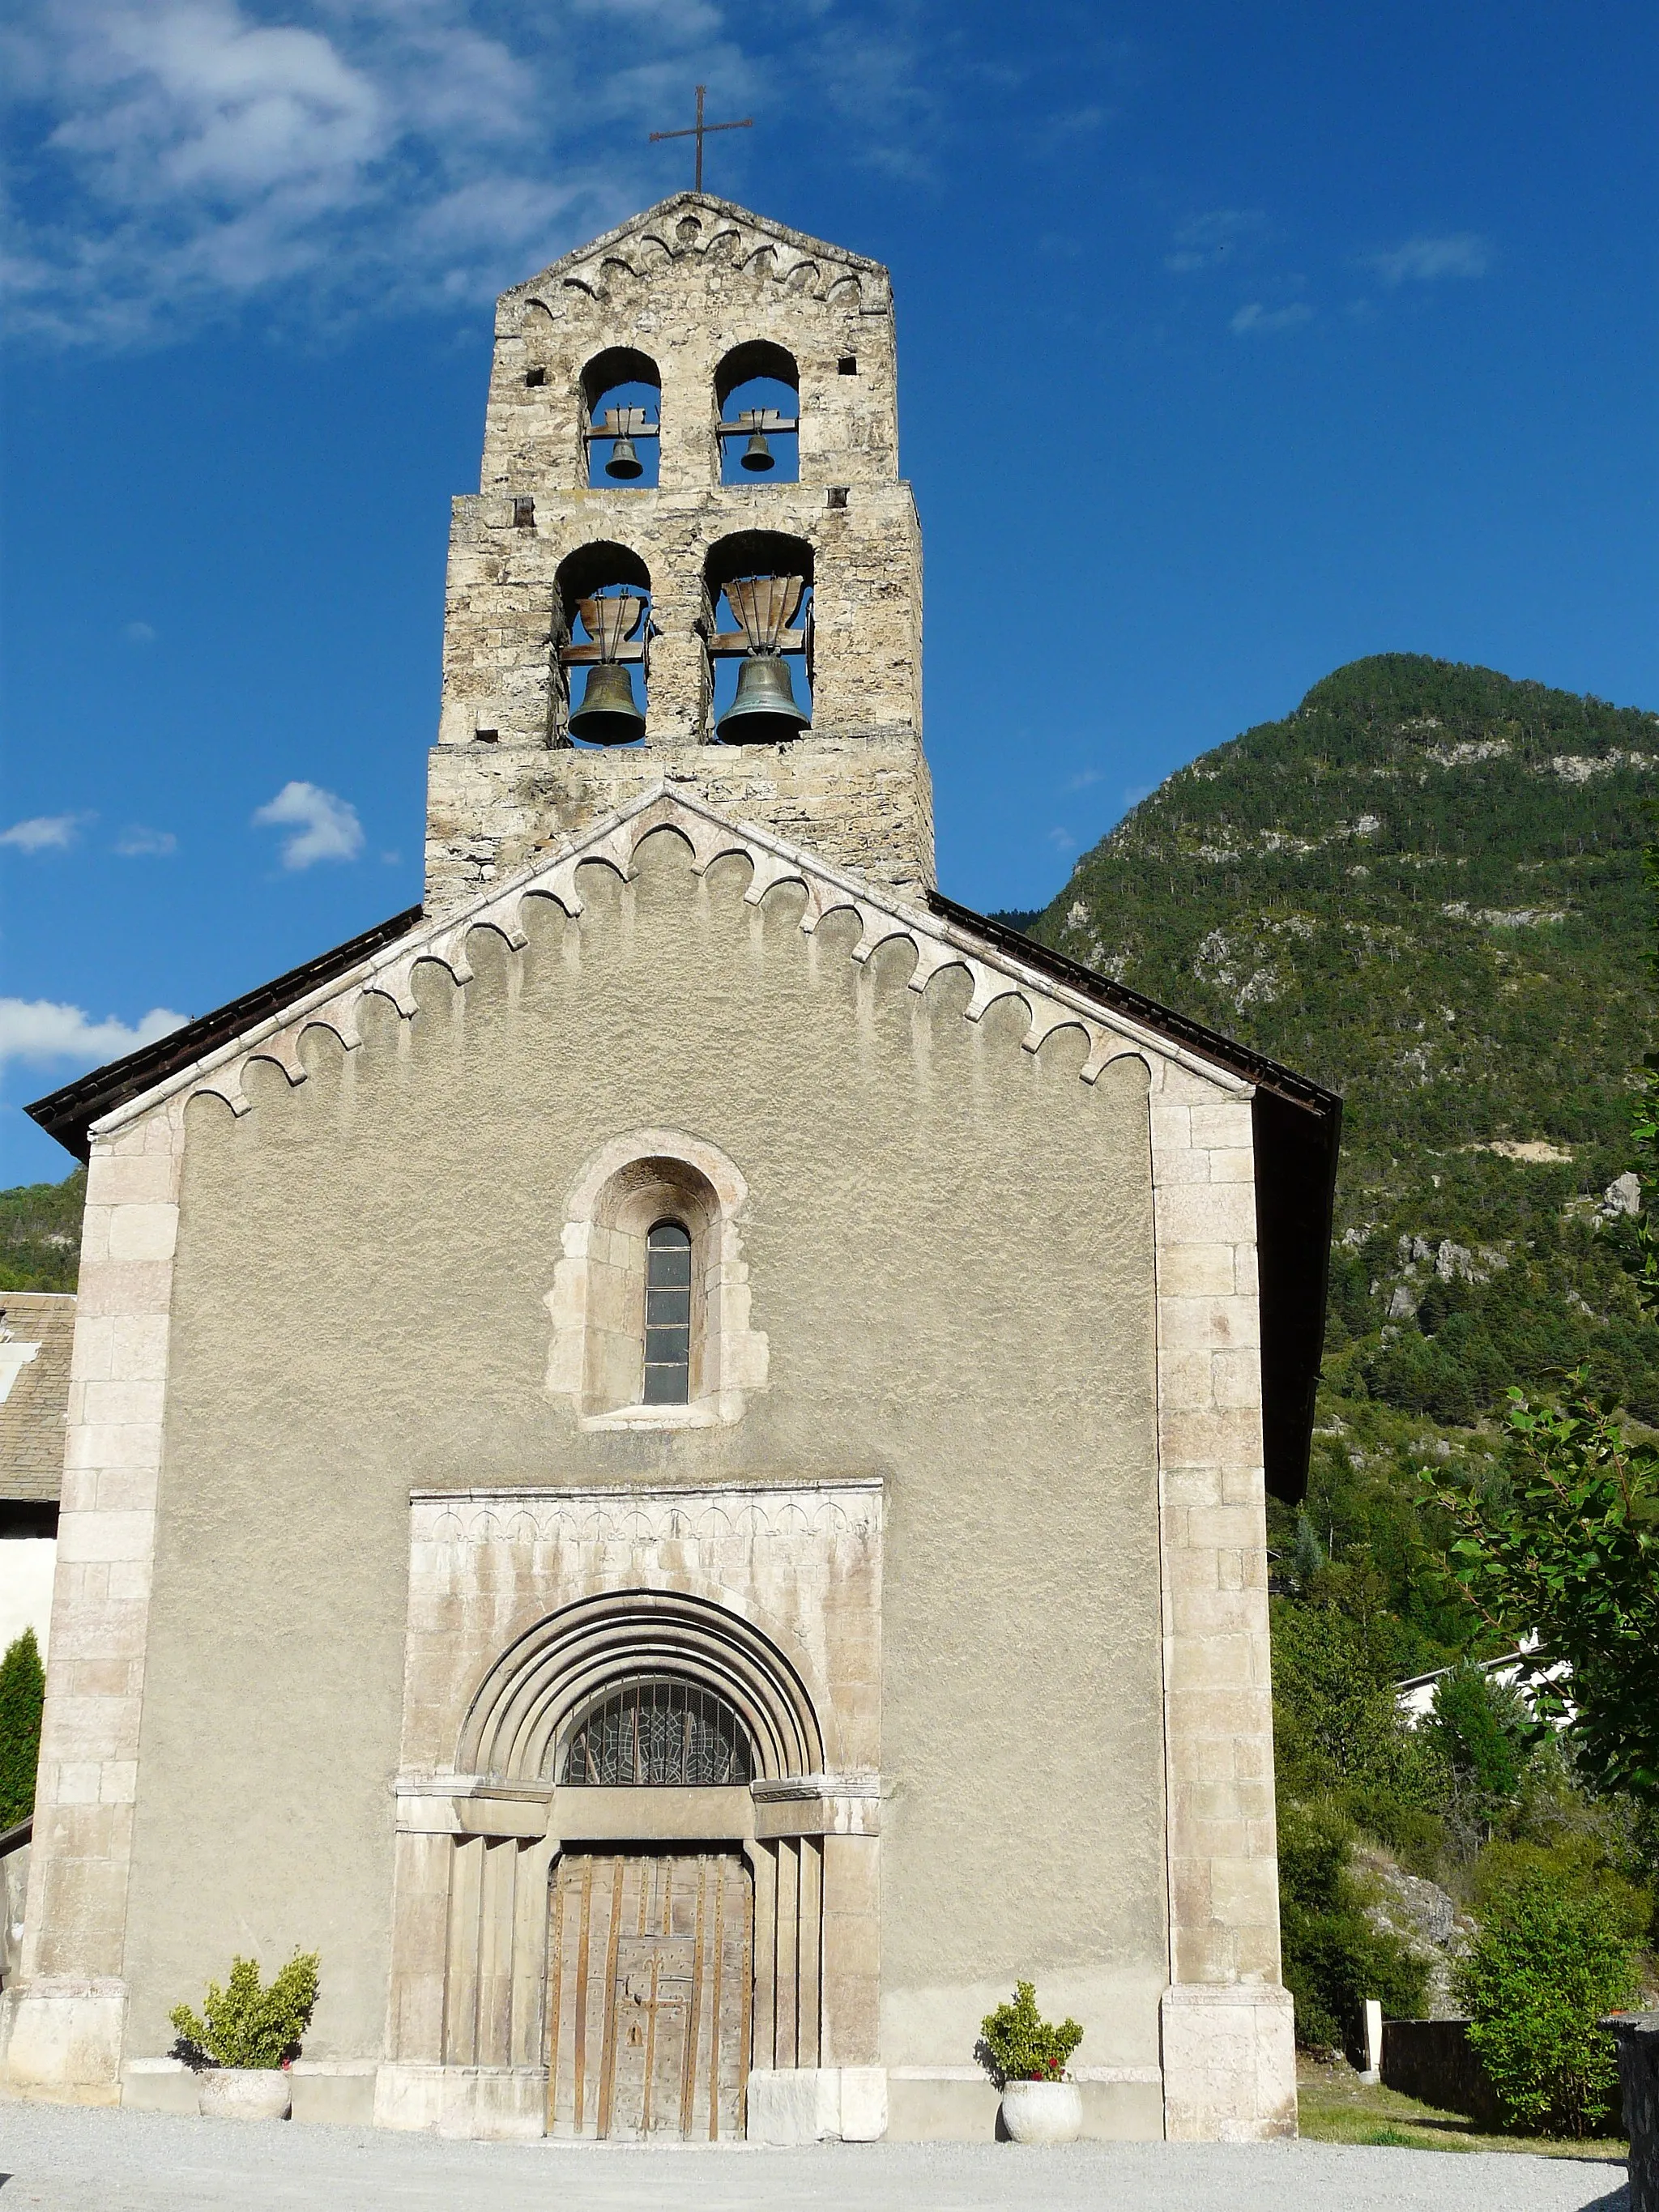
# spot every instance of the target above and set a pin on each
(657, 1733)
(651, 1179)
(622, 420)
(668, 1315)
(757, 390)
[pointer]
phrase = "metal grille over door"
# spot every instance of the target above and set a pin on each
(660, 1735)
(650, 1983)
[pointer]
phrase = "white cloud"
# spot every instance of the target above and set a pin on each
(43, 833)
(1062, 841)
(139, 633)
(1423, 260)
(40, 1030)
(1253, 316)
(179, 158)
(136, 843)
(326, 825)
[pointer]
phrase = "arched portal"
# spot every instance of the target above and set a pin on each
(638, 1802)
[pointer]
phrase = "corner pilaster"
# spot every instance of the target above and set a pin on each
(1229, 2052)
(66, 2018)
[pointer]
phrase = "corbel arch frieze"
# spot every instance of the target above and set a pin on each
(390, 973)
(643, 257)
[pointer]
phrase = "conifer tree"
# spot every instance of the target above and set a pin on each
(22, 1694)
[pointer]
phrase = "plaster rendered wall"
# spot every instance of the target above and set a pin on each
(949, 1244)
(27, 1566)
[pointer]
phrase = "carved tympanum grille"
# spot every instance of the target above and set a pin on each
(656, 1734)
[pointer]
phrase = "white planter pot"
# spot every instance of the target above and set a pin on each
(243, 2092)
(1043, 2112)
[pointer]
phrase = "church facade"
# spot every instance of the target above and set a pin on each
(667, 1454)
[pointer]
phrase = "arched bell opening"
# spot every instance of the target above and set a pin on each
(757, 392)
(603, 627)
(622, 420)
(758, 631)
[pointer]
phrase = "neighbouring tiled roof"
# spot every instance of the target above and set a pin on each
(33, 1406)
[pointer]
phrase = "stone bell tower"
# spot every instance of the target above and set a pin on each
(602, 584)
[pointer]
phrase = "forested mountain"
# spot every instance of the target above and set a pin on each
(1424, 887)
(40, 1234)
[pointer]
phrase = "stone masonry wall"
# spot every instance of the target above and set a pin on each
(685, 283)
(1228, 2045)
(866, 803)
(66, 2014)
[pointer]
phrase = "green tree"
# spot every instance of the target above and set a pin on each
(1336, 1725)
(1478, 1727)
(1334, 1956)
(1569, 1554)
(22, 1695)
(1545, 1968)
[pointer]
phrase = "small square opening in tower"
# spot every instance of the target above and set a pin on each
(524, 514)
(847, 365)
(535, 376)
(837, 495)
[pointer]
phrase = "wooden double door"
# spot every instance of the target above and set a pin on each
(650, 1994)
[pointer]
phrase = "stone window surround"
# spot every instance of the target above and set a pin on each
(596, 1357)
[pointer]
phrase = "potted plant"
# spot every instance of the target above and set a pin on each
(247, 2038)
(1026, 2057)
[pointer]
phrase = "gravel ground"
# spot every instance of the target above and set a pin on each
(69, 2160)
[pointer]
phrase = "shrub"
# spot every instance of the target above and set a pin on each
(1335, 1957)
(1417, 1837)
(245, 2025)
(1578, 1865)
(1543, 1969)
(1020, 2045)
(22, 1694)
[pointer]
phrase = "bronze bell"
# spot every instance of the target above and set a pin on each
(757, 455)
(608, 715)
(764, 712)
(624, 461)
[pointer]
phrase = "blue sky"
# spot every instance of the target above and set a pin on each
(1255, 338)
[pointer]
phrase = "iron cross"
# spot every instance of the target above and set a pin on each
(700, 131)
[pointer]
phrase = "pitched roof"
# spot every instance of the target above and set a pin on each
(70, 1113)
(1296, 1122)
(37, 1329)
